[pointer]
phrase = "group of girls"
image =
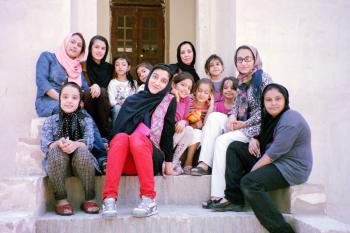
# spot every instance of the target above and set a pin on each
(249, 138)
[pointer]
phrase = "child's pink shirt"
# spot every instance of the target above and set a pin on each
(182, 109)
(220, 107)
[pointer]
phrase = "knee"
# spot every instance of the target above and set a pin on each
(138, 140)
(54, 153)
(120, 138)
(82, 153)
(248, 185)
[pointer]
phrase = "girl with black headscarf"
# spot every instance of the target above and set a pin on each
(67, 138)
(143, 140)
(98, 73)
(186, 58)
(280, 156)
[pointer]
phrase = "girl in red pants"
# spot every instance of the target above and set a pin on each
(143, 140)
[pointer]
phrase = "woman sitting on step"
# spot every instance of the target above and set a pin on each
(67, 138)
(278, 157)
(143, 141)
(53, 70)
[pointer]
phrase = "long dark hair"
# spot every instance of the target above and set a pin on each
(128, 74)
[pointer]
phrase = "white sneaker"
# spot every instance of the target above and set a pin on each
(109, 208)
(147, 207)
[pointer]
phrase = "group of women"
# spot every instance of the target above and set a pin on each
(261, 145)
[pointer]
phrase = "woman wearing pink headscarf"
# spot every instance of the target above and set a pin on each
(54, 69)
(242, 124)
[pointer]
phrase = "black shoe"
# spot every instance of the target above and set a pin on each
(227, 206)
(209, 204)
(199, 171)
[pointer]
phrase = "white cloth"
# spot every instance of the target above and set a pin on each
(218, 183)
(197, 135)
(118, 91)
(181, 142)
(213, 128)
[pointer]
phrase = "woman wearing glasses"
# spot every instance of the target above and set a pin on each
(242, 124)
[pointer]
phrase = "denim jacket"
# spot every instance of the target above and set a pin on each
(50, 135)
(50, 74)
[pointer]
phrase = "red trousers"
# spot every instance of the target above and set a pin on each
(129, 155)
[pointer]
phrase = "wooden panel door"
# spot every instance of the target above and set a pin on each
(138, 32)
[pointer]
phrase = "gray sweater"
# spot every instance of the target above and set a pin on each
(290, 150)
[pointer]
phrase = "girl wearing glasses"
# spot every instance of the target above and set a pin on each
(242, 124)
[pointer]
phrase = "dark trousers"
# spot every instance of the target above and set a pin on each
(253, 186)
(99, 109)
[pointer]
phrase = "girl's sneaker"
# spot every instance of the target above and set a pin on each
(177, 168)
(147, 207)
(187, 169)
(109, 207)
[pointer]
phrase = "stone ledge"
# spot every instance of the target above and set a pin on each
(184, 219)
(22, 194)
(17, 222)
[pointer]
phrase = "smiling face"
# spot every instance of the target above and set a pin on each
(98, 50)
(228, 92)
(245, 61)
(186, 54)
(274, 102)
(69, 99)
(74, 46)
(203, 92)
(183, 87)
(142, 73)
(121, 67)
(215, 68)
(158, 81)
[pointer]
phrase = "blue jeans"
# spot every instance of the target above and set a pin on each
(253, 186)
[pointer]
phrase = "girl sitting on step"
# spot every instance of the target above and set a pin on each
(67, 138)
(143, 141)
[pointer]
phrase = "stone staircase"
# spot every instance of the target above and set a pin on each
(27, 204)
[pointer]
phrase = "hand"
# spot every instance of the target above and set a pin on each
(254, 147)
(230, 122)
(239, 125)
(176, 94)
(95, 91)
(211, 101)
(169, 170)
(68, 146)
(179, 127)
(198, 124)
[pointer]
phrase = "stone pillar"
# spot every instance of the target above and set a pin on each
(215, 33)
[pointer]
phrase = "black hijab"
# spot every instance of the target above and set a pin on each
(70, 124)
(137, 107)
(101, 73)
(182, 66)
(268, 123)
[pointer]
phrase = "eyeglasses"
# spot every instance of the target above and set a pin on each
(246, 59)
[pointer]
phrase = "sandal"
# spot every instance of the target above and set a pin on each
(210, 203)
(187, 169)
(90, 207)
(199, 171)
(64, 210)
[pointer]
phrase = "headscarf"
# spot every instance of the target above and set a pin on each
(245, 82)
(137, 108)
(71, 66)
(101, 73)
(70, 124)
(268, 123)
(188, 68)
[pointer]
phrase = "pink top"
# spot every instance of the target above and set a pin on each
(220, 107)
(182, 109)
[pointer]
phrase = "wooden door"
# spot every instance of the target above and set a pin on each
(138, 32)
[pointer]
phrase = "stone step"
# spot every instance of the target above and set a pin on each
(17, 222)
(35, 127)
(184, 219)
(193, 190)
(29, 158)
(22, 194)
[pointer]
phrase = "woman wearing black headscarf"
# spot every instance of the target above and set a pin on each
(186, 58)
(285, 145)
(143, 141)
(98, 73)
